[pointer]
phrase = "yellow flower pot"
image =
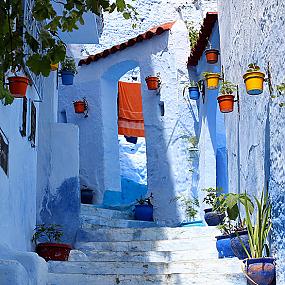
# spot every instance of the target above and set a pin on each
(254, 82)
(212, 80)
(54, 66)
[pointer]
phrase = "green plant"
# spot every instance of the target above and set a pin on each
(258, 226)
(193, 33)
(227, 87)
(68, 65)
(193, 83)
(145, 201)
(280, 92)
(51, 233)
(252, 67)
(211, 196)
(190, 206)
(206, 74)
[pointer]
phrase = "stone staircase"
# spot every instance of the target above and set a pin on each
(113, 249)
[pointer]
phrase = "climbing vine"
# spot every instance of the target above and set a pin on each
(193, 33)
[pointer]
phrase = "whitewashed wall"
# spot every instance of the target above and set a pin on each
(254, 31)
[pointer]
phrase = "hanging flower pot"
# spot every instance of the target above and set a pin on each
(212, 79)
(212, 55)
(261, 271)
(54, 66)
(223, 245)
(79, 107)
(194, 93)
(152, 82)
(67, 77)
(18, 86)
(254, 80)
(68, 70)
(226, 98)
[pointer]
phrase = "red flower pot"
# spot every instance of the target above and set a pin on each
(226, 103)
(18, 86)
(152, 82)
(79, 107)
(53, 251)
(212, 55)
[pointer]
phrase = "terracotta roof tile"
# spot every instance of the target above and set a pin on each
(204, 35)
(156, 31)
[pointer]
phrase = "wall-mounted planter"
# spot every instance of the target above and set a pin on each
(261, 271)
(254, 82)
(236, 244)
(144, 212)
(212, 218)
(53, 251)
(67, 77)
(194, 93)
(152, 82)
(54, 66)
(223, 245)
(212, 80)
(226, 103)
(18, 86)
(79, 107)
(212, 55)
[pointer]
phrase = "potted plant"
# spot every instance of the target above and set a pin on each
(47, 240)
(86, 195)
(68, 70)
(153, 82)
(212, 55)
(54, 66)
(259, 267)
(79, 106)
(226, 97)
(212, 79)
(194, 92)
(144, 209)
(254, 79)
(18, 86)
(212, 217)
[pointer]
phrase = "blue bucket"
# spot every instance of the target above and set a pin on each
(144, 212)
(194, 93)
(67, 77)
(224, 248)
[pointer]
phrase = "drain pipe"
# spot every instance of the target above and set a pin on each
(238, 142)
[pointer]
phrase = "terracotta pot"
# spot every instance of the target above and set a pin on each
(79, 107)
(212, 80)
(18, 86)
(226, 103)
(212, 55)
(152, 82)
(54, 66)
(53, 251)
(254, 82)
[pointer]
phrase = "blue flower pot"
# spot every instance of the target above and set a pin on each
(237, 245)
(213, 218)
(144, 212)
(223, 245)
(261, 270)
(194, 93)
(67, 77)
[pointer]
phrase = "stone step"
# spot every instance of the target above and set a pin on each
(90, 222)
(225, 266)
(169, 279)
(134, 234)
(93, 210)
(140, 256)
(204, 244)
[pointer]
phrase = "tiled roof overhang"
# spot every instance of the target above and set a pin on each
(131, 42)
(204, 35)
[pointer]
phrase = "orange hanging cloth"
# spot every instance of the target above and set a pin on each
(130, 122)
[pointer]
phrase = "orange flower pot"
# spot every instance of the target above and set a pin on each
(18, 86)
(226, 103)
(212, 55)
(79, 107)
(152, 82)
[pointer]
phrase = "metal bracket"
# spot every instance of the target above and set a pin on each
(202, 89)
(86, 107)
(269, 79)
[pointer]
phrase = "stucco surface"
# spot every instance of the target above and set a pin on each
(254, 31)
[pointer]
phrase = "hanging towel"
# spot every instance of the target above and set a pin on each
(131, 121)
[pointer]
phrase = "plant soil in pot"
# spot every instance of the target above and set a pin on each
(194, 93)
(226, 103)
(212, 55)
(212, 218)
(152, 82)
(79, 107)
(53, 251)
(86, 196)
(18, 86)
(237, 245)
(254, 80)
(223, 245)
(261, 271)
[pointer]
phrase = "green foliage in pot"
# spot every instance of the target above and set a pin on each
(258, 225)
(145, 201)
(227, 87)
(253, 67)
(280, 93)
(211, 196)
(68, 65)
(193, 83)
(49, 233)
(206, 74)
(190, 206)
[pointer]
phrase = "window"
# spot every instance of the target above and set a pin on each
(32, 137)
(23, 130)
(4, 152)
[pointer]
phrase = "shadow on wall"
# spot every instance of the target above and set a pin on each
(63, 208)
